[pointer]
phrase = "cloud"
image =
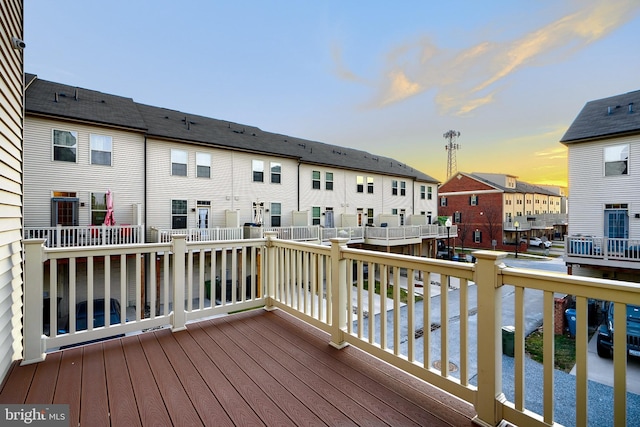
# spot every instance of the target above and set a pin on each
(552, 153)
(470, 78)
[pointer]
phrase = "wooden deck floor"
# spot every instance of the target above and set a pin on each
(252, 368)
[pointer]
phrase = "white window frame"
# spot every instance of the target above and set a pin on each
(315, 215)
(276, 172)
(74, 147)
(315, 180)
(179, 157)
(616, 160)
(394, 187)
(403, 188)
(100, 144)
(328, 181)
(184, 214)
(97, 206)
(257, 168)
(203, 160)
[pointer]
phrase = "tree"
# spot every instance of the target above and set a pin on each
(493, 217)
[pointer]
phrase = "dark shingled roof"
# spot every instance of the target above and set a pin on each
(605, 118)
(58, 100)
(521, 186)
(175, 125)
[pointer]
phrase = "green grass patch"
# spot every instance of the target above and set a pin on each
(565, 350)
(404, 295)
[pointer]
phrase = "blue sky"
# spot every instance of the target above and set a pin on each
(386, 77)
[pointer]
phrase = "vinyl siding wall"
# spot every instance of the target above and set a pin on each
(125, 176)
(230, 187)
(590, 190)
(11, 124)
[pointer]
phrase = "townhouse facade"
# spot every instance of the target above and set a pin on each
(11, 178)
(172, 170)
(604, 159)
(496, 210)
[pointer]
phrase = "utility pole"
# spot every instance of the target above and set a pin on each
(451, 147)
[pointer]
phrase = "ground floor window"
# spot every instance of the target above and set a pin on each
(98, 208)
(179, 214)
(315, 215)
(276, 214)
(477, 236)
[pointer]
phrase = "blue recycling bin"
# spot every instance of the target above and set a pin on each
(570, 314)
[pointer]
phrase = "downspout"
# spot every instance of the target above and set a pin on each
(298, 189)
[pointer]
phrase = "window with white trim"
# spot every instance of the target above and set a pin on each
(429, 193)
(394, 187)
(65, 146)
(403, 188)
(178, 162)
(443, 201)
(315, 180)
(328, 181)
(370, 184)
(276, 214)
(370, 216)
(98, 208)
(178, 214)
(276, 173)
(315, 215)
(477, 236)
(616, 160)
(360, 184)
(203, 165)
(258, 170)
(101, 149)
(423, 192)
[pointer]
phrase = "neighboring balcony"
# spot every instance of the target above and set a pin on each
(325, 354)
(86, 236)
(383, 236)
(602, 251)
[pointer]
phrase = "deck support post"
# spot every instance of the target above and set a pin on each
(489, 398)
(339, 304)
(34, 339)
(270, 285)
(178, 316)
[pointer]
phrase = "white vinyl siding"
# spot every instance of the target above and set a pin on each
(11, 21)
(125, 178)
(590, 190)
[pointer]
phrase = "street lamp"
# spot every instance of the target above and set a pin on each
(516, 225)
(448, 225)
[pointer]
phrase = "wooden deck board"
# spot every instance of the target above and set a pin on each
(122, 402)
(252, 368)
(148, 398)
(95, 408)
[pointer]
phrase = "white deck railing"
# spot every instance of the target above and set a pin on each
(197, 234)
(325, 286)
(84, 236)
(603, 249)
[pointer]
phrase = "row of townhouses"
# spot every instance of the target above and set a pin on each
(166, 171)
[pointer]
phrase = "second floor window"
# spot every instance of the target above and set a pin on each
(423, 192)
(276, 173)
(178, 163)
(101, 147)
(315, 180)
(328, 181)
(473, 200)
(443, 201)
(360, 184)
(616, 159)
(370, 185)
(65, 145)
(403, 188)
(203, 165)
(394, 188)
(429, 193)
(258, 170)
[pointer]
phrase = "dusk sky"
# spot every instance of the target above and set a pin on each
(386, 77)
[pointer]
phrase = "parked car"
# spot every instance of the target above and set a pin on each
(538, 242)
(98, 313)
(605, 332)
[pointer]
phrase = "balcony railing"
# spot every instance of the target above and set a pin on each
(605, 251)
(330, 288)
(196, 234)
(85, 236)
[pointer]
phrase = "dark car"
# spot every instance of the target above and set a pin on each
(98, 313)
(605, 332)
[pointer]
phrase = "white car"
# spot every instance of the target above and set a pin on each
(536, 241)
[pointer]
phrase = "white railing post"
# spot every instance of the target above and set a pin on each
(270, 283)
(489, 399)
(339, 303)
(34, 339)
(178, 317)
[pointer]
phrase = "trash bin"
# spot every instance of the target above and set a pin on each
(508, 333)
(570, 314)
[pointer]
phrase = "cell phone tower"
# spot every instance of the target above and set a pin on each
(451, 147)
